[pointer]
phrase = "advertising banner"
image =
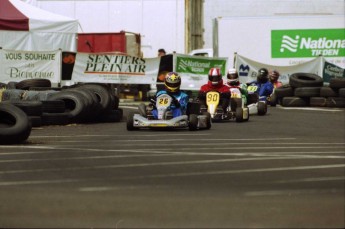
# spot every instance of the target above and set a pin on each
(332, 71)
(308, 43)
(114, 68)
(22, 65)
(248, 68)
(194, 70)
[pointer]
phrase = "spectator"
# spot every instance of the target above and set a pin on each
(161, 52)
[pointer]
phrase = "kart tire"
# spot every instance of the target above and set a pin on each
(295, 102)
(307, 92)
(26, 84)
(262, 108)
(130, 121)
(142, 109)
(239, 114)
(208, 120)
(15, 126)
(305, 80)
(193, 122)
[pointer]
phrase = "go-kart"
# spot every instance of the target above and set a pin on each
(257, 105)
(236, 109)
(165, 119)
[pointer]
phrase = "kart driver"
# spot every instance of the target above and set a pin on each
(264, 86)
(172, 83)
(215, 83)
(274, 76)
(233, 81)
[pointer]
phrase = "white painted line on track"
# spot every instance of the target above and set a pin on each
(312, 109)
(195, 162)
(171, 175)
(289, 192)
(312, 179)
(117, 135)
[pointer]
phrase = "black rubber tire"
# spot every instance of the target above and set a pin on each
(208, 121)
(53, 106)
(284, 91)
(55, 119)
(193, 122)
(305, 80)
(328, 92)
(335, 102)
(142, 109)
(130, 121)
(262, 108)
(31, 108)
(102, 93)
(111, 116)
(15, 125)
(307, 92)
(26, 84)
(341, 92)
(74, 103)
(239, 114)
(317, 101)
(273, 100)
(36, 121)
(295, 102)
(337, 82)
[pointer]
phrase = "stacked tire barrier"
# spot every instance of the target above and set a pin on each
(43, 105)
(305, 89)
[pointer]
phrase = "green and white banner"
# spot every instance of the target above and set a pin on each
(115, 68)
(308, 43)
(22, 65)
(194, 69)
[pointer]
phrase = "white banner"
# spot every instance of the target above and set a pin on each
(248, 68)
(22, 65)
(115, 68)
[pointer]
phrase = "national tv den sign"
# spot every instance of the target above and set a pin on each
(308, 43)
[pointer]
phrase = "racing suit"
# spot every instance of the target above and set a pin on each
(178, 105)
(221, 88)
(264, 90)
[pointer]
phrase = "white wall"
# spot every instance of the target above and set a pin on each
(235, 8)
(160, 22)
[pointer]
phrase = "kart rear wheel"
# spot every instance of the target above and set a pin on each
(208, 120)
(239, 114)
(262, 108)
(193, 122)
(130, 122)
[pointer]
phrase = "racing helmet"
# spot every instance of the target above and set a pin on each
(215, 76)
(274, 75)
(172, 82)
(232, 77)
(262, 75)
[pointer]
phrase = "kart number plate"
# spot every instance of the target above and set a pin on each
(252, 88)
(163, 101)
(235, 93)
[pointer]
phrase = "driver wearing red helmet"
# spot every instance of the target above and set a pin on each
(215, 83)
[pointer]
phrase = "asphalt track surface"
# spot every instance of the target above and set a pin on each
(282, 170)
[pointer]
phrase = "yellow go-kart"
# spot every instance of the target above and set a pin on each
(236, 109)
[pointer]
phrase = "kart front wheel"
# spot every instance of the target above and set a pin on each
(130, 122)
(193, 122)
(262, 108)
(239, 114)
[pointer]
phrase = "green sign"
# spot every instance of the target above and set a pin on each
(198, 66)
(308, 43)
(332, 71)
